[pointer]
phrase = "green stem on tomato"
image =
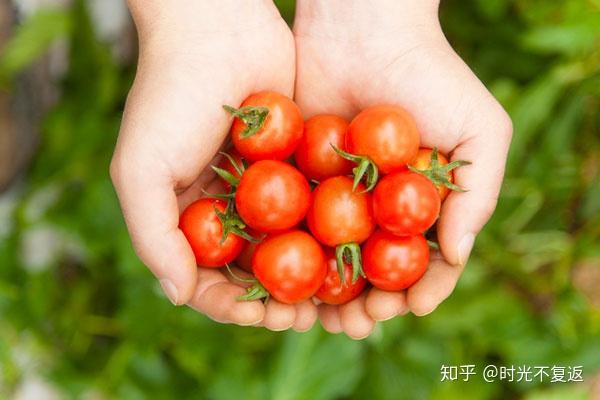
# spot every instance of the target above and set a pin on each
(365, 168)
(253, 117)
(438, 174)
(349, 253)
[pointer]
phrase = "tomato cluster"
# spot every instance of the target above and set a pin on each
(375, 193)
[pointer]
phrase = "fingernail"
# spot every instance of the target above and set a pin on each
(464, 248)
(170, 290)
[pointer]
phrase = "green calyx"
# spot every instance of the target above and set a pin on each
(349, 253)
(365, 168)
(232, 223)
(254, 292)
(438, 174)
(253, 117)
(227, 176)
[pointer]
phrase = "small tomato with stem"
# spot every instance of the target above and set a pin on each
(202, 224)
(267, 126)
(342, 218)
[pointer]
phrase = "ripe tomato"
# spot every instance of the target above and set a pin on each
(314, 156)
(203, 230)
(274, 137)
(386, 134)
(338, 215)
(272, 196)
(395, 262)
(333, 291)
(406, 203)
(225, 164)
(290, 265)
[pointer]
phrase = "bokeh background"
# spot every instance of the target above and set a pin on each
(81, 318)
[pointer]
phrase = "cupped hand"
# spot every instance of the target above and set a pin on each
(351, 55)
(195, 57)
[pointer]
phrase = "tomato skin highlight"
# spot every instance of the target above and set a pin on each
(280, 134)
(290, 265)
(338, 215)
(332, 291)
(272, 196)
(395, 262)
(314, 156)
(406, 203)
(387, 134)
(423, 161)
(203, 230)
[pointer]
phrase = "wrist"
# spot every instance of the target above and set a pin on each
(165, 18)
(355, 16)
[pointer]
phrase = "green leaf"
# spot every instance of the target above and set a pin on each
(31, 40)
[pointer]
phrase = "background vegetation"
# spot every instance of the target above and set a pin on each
(79, 312)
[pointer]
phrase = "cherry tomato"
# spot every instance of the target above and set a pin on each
(339, 215)
(333, 291)
(395, 262)
(314, 156)
(386, 134)
(203, 230)
(406, 203)
(272, 196)
(278, 136)
(226, 165)
(291, 266)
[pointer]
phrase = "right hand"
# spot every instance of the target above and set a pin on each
(195, 57)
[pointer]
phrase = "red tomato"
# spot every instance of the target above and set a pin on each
(339, 215)
(280, 133)
(203, 230)
(406, 203)
(333, 291)
(314, 156)
(272, 196)
(395, 262)
(386, 134)
(290, 265)
(226, 165)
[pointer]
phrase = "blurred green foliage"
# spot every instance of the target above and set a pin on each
(78, 309)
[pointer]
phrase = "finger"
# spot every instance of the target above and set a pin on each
(485, 144)
(330, 318)
(356, 323)
(306, 315)
(434, 287)
(382, 305)
(152, 215)
(217, 298)
(278, 316)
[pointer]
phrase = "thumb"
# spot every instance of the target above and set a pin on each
(484, 142)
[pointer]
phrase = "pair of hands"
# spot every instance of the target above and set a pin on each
(343, 56)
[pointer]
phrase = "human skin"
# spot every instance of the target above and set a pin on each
(352, 54)
(194, 57)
